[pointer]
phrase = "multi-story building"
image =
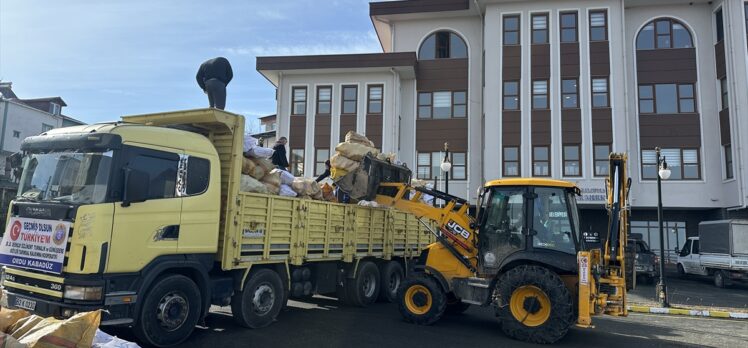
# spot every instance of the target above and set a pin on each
(267, 136)
(543, 88)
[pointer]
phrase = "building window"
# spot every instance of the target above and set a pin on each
(442, 105)
(663, 33)
(299, 101)
(540, 94)
(572, 161)
(374, 101)
(683, 164)
(600, 92)
(350, 100)
(569, 27)
(47, 127)
(675, 235)
(540, 28)
(667, 99)
(320, 156)
(511, 161)
(718, 22)
(511, 95)
(429, 165)
(297, 162)
(16, 134)
(728, 161)
(601, 153)
(511, 30)
(598, 26)
(569, 94)
(541, 161)
(442, 44)
(54, 108)
(324, 100)
(723, 91)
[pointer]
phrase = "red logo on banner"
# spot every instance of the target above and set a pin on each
(15, 230)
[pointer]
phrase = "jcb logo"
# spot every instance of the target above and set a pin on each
(457, 229)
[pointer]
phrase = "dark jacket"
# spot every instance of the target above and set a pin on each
(323, 175)
(279, 156)
(216, 68)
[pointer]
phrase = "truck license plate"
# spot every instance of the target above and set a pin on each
(25, 303)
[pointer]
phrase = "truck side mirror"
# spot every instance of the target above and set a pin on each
(677, 251)
(137, 186)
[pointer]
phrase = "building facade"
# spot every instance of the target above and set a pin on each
(544, 88)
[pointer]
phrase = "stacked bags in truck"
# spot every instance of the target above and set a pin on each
(349, 154)
(259, 175)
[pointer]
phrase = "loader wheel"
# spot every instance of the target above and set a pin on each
(421, 300)
(392, 276)
(261, 300)
(534, 305)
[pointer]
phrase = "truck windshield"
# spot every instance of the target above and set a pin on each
(69, 177)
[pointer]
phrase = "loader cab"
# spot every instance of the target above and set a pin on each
(521, 219)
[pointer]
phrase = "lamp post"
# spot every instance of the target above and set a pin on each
(663, 173)
(446, 166)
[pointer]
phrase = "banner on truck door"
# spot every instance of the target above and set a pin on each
(35, 244)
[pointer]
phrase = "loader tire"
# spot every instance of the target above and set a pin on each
(421, 300)
(533, 304)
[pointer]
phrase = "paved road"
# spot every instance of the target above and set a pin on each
(322, 323)
(695, 291)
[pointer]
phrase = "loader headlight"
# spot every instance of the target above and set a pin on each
(73, 292)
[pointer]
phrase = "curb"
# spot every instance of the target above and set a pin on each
(688, 312)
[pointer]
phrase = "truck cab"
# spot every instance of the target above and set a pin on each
(689, 259)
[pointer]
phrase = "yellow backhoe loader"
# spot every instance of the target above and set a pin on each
(521, 254)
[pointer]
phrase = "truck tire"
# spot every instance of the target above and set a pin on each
(363, 290)
(681, 271)
(533, 304)
(171, 309)
(261, 300)
(392, 276)
(721, 280)
(421, 300)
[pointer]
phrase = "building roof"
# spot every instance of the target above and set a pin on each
(6, 90)
(271, 66)
(72, 120)
(57, 100)
(266, 117)
(416, 6)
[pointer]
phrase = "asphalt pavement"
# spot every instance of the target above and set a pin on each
(322, 322)
(694, 291)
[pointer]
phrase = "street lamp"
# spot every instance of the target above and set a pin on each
(663, 173)
(446, 166)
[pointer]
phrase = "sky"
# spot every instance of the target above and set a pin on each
(109, 58)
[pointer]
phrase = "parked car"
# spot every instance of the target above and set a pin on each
(720, 251)
(645, 261)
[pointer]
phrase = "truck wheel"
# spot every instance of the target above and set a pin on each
(720, 279)
(261, 300)
(392, 277)
(170, 311)
(681, 271)
(421, 300)
(363, 290)
(455, 305)
(534, 305)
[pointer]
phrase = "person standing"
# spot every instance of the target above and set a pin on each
(279, 155)
(213, 77)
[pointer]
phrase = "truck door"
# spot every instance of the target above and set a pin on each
(503, 228)
(696, 259)
(685, 256)
(145, 230)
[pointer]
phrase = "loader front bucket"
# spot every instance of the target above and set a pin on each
(362, 183)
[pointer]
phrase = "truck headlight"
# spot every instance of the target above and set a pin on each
(73, 292)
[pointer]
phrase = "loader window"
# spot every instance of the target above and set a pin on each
(551, 224)
(504, 216)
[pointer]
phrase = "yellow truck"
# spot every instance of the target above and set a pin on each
(145, 219)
